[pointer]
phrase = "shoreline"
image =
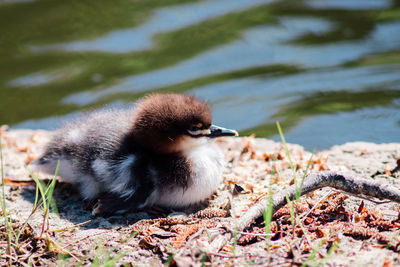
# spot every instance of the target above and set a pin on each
(28, 145)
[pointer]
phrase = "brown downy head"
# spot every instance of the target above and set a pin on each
(168, 123)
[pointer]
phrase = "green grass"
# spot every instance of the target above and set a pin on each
(298, 186)
(312, 258)
(169, 260)
(298, 190)
(102, 255)
(47, 200)
(267, 215)
(44, 201)
(297, 219)
(104, 259)
(3, 203)
(293, 213)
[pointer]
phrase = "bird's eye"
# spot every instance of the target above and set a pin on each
(197, 130)
(196, 127)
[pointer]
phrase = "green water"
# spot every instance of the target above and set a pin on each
(329, 71)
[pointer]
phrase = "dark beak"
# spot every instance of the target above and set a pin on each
(217, 131)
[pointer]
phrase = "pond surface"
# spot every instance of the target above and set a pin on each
(327, 70)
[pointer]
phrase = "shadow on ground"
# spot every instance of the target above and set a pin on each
(74, 209)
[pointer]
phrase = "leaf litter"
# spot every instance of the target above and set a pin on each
(330, 230)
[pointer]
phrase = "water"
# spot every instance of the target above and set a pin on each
(328, 70)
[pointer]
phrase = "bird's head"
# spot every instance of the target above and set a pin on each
(169, 123)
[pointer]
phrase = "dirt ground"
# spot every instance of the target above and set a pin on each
(329, 228)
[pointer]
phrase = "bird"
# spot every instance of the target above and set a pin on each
(159, 153)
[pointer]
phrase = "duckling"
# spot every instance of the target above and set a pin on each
(159, 153)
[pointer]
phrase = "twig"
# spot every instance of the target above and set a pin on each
(315, 205)
(345, 182)
(62, 249)
(235, 257)
(365, 198)
(16, 260)
(71, 227)
(253, 234)
(83, 238)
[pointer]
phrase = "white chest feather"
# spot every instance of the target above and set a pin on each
(206, 176)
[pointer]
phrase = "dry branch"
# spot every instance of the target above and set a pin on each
(345, 182)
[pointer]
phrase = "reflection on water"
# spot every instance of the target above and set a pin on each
(266, 97)
(33, 79)
(164, 20)
(328, 70)
(258, 47)
(362, 124)
(350, 4)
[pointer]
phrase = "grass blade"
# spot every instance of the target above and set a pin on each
(267, 215)
(298, 189)
(3, 201)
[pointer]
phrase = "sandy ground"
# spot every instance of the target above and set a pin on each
(255, 166)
